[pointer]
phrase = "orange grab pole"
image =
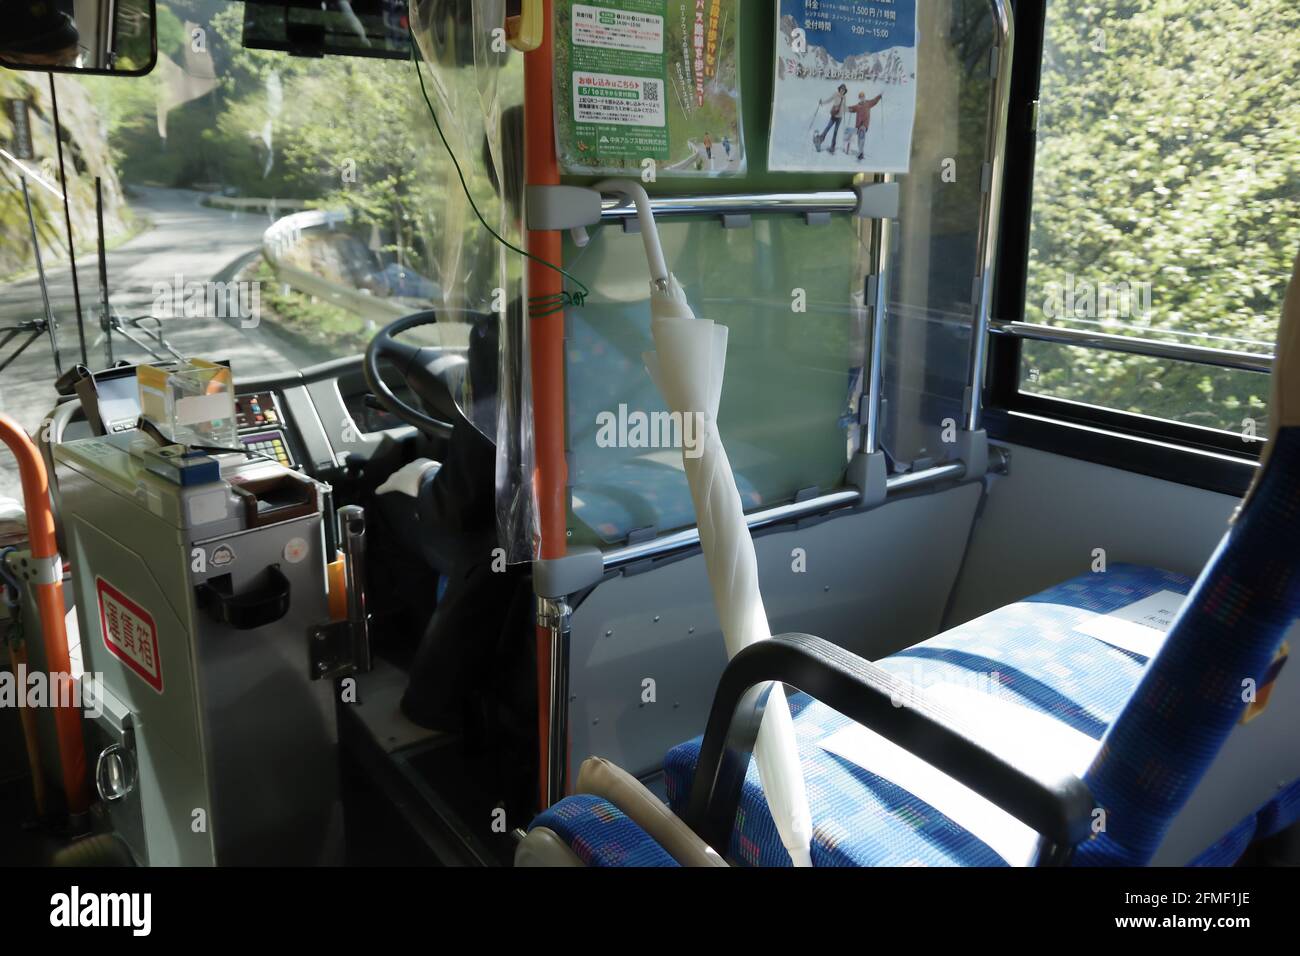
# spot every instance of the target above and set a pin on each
(546, 336)
(18, 661)
(49, 601)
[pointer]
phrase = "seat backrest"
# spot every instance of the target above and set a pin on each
(1219, 649)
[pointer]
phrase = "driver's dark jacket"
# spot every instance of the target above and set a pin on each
(457, 504)
(476, 652)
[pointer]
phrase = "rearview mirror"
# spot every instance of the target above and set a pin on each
(111, 37)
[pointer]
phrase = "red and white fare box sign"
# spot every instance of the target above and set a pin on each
(129, 633)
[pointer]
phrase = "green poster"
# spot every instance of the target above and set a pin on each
(648, 81)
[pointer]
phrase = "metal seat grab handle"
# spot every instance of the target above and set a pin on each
(1056, 804)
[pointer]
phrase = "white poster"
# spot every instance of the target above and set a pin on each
(845, 89)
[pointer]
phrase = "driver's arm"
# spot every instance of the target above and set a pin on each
(460, 495)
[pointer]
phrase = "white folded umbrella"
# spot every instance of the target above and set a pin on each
(687, 366)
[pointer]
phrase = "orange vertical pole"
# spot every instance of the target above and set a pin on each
(547, 345)
(49, 601)
(18, 661)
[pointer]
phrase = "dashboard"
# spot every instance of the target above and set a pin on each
(260, 425)
(316, 419)
(313, 420)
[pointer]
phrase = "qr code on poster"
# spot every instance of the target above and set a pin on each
(650, 91)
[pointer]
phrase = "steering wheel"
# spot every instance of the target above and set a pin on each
(434, 374)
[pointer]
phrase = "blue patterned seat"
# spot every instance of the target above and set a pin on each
(1032, 652)
(1163, 724)
(1157, 728)
(601, 834)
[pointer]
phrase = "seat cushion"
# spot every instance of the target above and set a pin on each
(601, 834)
(1032, 653)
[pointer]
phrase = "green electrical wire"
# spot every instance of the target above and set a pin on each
(539, 306)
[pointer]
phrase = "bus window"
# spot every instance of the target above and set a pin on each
(263, 208)
(1166, 208)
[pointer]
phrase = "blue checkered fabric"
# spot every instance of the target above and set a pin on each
(601, 834)
(1162, 725)
(1228, 632)
(1159, 724)
(1031, 651)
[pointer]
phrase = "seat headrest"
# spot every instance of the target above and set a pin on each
(1284, 393)
(1284, 411)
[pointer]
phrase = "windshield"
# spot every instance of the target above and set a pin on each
(257, 207)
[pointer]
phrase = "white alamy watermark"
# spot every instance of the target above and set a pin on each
(75, 908)
(1077, 298)
(179, 299)
(934, 685)
(640, 429)
(37, 689)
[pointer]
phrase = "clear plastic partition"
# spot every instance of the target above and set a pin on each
(791, 295)
(469, 110)
(935, 244)
(790, 400)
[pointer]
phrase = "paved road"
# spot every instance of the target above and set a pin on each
(186, 239)
(721, 161)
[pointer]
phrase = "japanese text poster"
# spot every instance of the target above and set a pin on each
(845, 88)
(640, 82)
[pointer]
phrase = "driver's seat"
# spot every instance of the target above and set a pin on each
(473, 668)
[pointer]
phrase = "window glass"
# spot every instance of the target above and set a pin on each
(1230, 399)
(260, 208)
(1166, 197)
(935, 241)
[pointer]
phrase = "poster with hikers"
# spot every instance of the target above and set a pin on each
(845, 91)
(643, 84)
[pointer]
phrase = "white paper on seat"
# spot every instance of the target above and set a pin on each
(1140, 627)
(1000, 723)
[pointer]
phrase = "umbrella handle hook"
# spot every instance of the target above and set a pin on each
(654, 252)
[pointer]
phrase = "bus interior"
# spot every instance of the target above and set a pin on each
(629, 433)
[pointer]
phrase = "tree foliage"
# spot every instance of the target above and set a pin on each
(1169, 154)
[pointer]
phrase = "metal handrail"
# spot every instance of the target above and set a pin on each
(688, 538)
(878, 284)
(996, 152)
(618, 209)
(1136, 345)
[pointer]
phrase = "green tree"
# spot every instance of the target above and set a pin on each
(1169, 153)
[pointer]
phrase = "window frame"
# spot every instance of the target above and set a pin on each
(1174, 451)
